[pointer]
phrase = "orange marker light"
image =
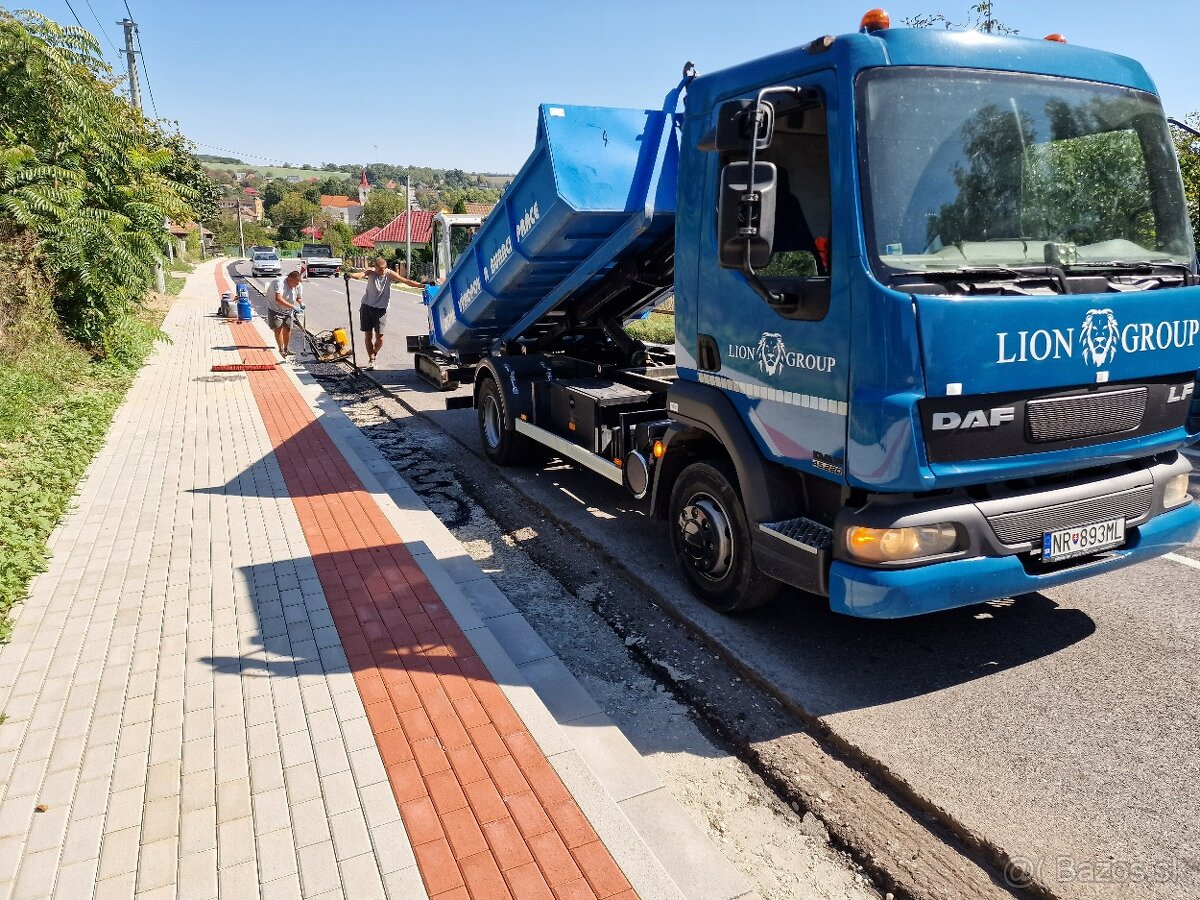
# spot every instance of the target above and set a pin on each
(1056, 37)
(875, 20)
(658, 450)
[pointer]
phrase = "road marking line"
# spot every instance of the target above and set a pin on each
(1183, 560)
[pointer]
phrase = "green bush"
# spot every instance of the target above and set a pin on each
(657, 329)
(56, 403)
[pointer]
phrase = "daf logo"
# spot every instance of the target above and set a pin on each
(975, 418)
(1099, 337)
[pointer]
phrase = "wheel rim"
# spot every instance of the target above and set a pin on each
(706, 536)
(491, 421)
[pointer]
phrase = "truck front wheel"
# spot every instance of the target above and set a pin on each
(502, 444)
(711, 540)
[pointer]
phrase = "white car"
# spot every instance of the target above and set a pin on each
(265, 264)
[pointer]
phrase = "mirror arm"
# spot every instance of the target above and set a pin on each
(756, 283)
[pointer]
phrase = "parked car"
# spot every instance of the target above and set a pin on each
(265, 263)
(318, 259)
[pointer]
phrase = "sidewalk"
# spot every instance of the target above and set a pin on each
(259, 666)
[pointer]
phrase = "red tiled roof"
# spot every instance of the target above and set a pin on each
(479, 209)
(422, 228)
(250, 191)
(336, 202)
(366, 240)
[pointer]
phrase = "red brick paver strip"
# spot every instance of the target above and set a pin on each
(483, 807)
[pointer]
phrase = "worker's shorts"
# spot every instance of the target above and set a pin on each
(372, 318)
(277, 320)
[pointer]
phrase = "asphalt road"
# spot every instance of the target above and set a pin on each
(1061, 727)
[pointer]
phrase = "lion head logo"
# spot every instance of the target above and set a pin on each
(1099, 337)
(770, 353)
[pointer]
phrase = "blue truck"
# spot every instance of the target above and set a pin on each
(937, 318)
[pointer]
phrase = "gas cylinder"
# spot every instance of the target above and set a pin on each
(245, 310)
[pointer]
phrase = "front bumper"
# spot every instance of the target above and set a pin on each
(989, 570)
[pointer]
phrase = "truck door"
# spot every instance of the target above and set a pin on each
(785, 365)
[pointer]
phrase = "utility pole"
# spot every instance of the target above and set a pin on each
(241, 237)
(407, 225)
(135, 88)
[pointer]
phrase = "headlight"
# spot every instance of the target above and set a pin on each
(878, 545)
(1175, 493)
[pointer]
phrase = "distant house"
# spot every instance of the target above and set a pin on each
(252, 207)
(392, 235)
(341, 208)
(366, 240)
(479, 209)
(180, 233)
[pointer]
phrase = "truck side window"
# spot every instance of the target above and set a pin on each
(800, 260)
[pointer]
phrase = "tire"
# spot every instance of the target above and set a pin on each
(711, 540)
(502, 445)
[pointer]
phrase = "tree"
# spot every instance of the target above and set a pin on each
(338, 187)
(254, 233)
(980, 17)
(1187, 146)
(87, 175)
(186, 170)
(451, 198)
(336, 234)
(292, 213)
(381, 208)
(273, 191)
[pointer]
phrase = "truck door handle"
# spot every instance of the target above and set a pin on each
(708, 357)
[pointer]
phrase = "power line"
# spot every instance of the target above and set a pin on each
(239, 154)
(146, 71)
(72, 9)
(101, 27)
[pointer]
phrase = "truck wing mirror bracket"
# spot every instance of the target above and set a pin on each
(735, 127)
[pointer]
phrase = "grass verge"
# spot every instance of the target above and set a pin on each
(56, 403)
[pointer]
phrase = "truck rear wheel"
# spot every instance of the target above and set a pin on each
(711, 540)
(502, 444)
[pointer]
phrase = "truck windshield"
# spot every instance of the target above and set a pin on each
(968, 170)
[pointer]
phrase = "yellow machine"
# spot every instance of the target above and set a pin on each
(330, 346)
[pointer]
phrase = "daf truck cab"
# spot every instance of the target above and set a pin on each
(937, 318)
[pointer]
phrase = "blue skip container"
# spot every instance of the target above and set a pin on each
(598, 188)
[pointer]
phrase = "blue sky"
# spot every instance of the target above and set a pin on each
(457, 85)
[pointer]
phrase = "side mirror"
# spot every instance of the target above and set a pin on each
(746, 214)
(735, 128)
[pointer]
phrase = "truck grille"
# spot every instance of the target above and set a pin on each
(1110, 412)
(1028, 525)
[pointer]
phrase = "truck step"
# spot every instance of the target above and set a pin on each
(801, 532)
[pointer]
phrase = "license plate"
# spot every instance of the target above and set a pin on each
(1082, 540)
